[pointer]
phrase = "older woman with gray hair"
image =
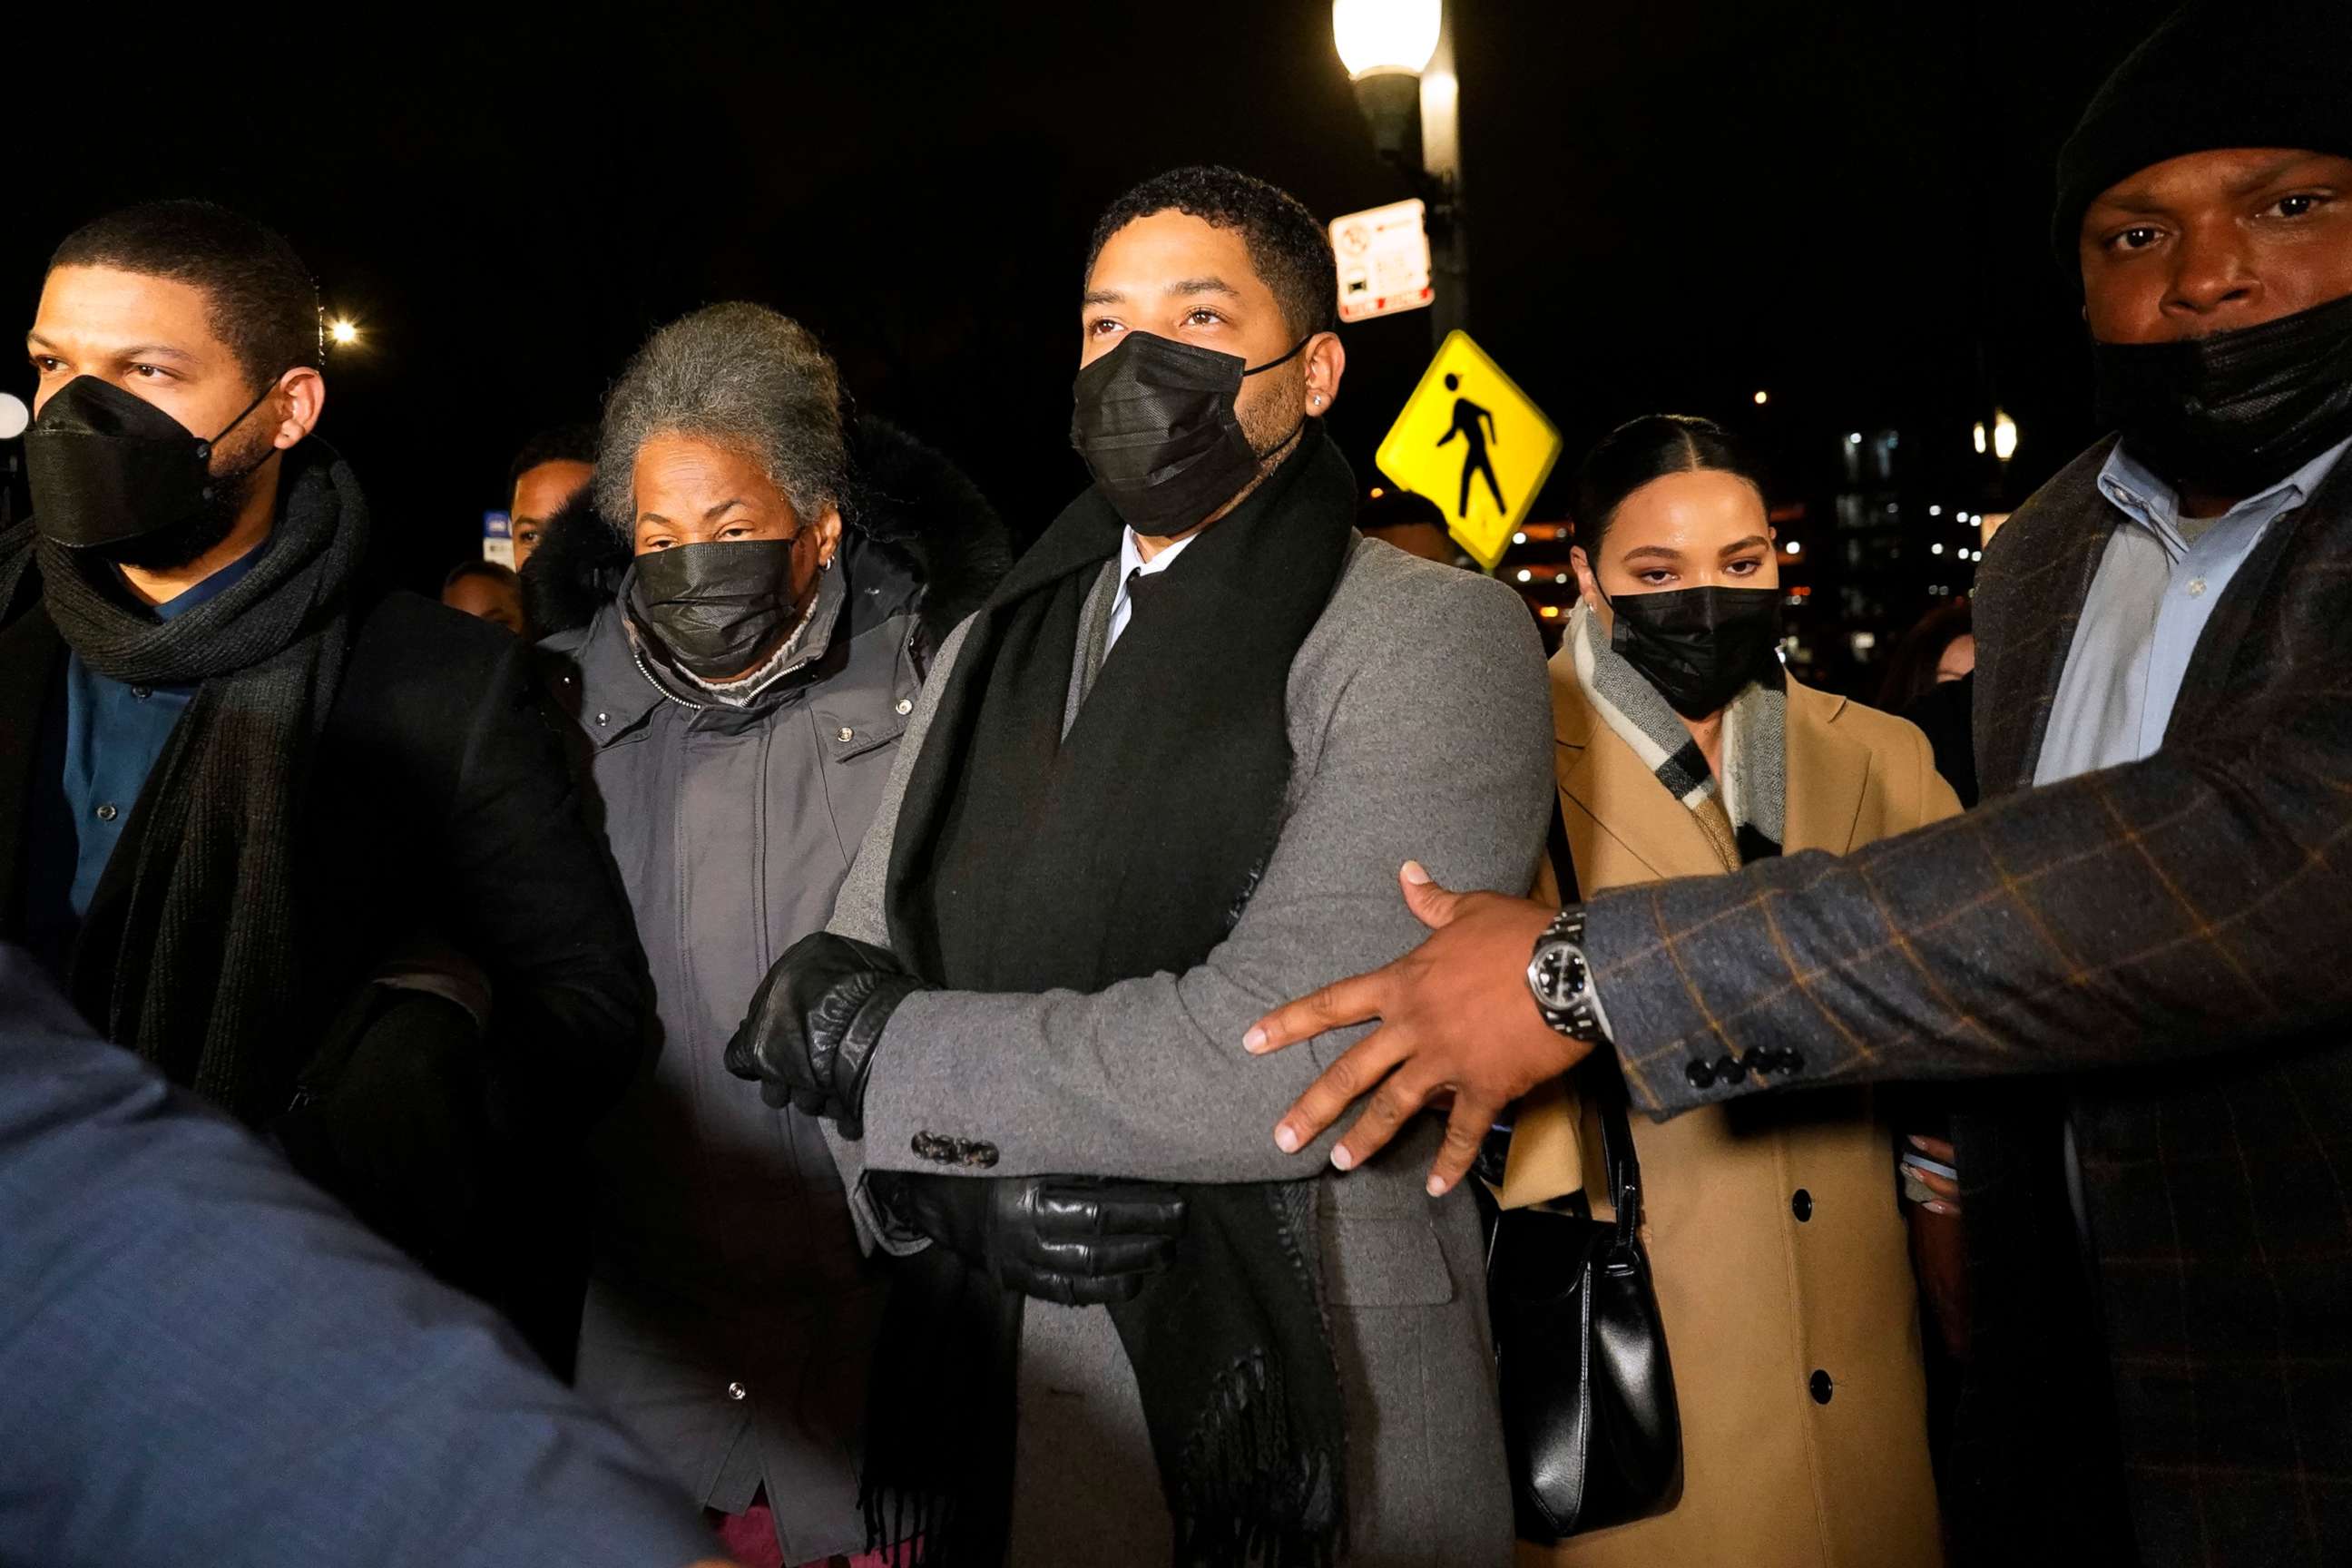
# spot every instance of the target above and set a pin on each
(742, 622)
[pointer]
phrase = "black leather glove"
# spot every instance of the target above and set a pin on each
(814, 1021)
(393, 1123)
(1080, 1241)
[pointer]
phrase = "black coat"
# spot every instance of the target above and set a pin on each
(439, 808)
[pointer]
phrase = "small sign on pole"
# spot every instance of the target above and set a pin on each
(1383, 255)
(498, 538)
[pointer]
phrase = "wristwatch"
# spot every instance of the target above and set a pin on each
(1561, 980)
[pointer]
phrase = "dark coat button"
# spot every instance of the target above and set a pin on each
(981, 1155)
(1731, 1070)
(1800, 1204)
(1701, 1075)
(1822, 1386)
(1792, 1061)
(1761, 1061)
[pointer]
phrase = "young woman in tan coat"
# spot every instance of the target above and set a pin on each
(1774, 1237)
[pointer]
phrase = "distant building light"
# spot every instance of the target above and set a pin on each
(343, 332)
(1378, 492)
(1934, 549)
(1549, 612)
(1854, 438)
(1762, 398)
(2004, 435)
(1795, 548)
(1932, 511)
(1562, 577)
(1519, 539)
(1527, 576)
(1864, 641)
(1982, 444)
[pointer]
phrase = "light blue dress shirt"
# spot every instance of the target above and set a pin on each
(1131, 565)
(2155, 588)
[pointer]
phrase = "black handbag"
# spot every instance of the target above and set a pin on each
(1590, 1423)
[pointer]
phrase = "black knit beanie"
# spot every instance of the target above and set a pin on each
(2217, 73)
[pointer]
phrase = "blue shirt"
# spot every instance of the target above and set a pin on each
(2157, 586)
(112, 736)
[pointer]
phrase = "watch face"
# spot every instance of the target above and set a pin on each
(1559, 977)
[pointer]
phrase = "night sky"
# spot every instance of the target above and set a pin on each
(1670, 204)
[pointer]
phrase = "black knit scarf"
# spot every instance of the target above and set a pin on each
(195, 967)
(1025, 862)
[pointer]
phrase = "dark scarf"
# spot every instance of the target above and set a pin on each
(1025, 862)
(194, 966)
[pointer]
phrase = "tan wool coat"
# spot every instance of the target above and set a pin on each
(1773, 1227)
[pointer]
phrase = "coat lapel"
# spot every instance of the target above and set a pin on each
(1829, 774)
(1619, 798)
(2028, 602)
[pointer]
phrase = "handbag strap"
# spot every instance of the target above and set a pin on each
(1599, 1080)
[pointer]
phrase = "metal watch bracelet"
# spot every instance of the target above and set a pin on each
(1559, 977)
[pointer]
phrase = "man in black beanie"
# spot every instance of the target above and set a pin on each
(2146, 931)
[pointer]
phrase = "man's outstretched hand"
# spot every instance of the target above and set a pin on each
(1456, 1016)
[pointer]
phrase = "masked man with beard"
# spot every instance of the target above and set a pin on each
(2158, 934)
(238, 790)
(1159, 779)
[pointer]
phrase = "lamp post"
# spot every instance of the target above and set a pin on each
(1399, 55)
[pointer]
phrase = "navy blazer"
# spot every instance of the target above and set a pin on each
(203, 1359)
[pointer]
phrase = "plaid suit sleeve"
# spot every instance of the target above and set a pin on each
(2198, 901)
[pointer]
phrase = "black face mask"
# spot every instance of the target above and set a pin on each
(717, 609)
(1159, 423)
(2234, 413)
(112, 472)
(1698, 646)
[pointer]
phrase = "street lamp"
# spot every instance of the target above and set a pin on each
(343, 331)
(2004, 435)
(1400, 55)
(1383, 37)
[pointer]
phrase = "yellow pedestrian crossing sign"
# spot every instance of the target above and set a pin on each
(1470, 440)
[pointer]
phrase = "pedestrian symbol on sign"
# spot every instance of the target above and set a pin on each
(1476, 425)
(1467, 426)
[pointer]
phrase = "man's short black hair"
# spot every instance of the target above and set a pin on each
(563, 444)
(1290, 250)
(265, 304)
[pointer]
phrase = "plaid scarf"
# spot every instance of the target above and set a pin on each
(1744, 814)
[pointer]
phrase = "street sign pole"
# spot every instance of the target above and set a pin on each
(1440, 161)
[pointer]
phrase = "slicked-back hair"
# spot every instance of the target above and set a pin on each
(563, 444)
(1643, 449)
(741, 376)
(263, 302)
(1289, 250)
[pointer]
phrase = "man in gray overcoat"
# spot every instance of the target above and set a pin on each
(1165, 776)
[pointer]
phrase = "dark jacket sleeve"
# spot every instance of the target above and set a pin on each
(2194, 901)
(534, 899)
(207, 1361)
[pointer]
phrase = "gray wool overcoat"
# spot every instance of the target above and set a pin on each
(1420, 722)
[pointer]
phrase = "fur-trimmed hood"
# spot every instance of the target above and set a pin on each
(908, 505)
